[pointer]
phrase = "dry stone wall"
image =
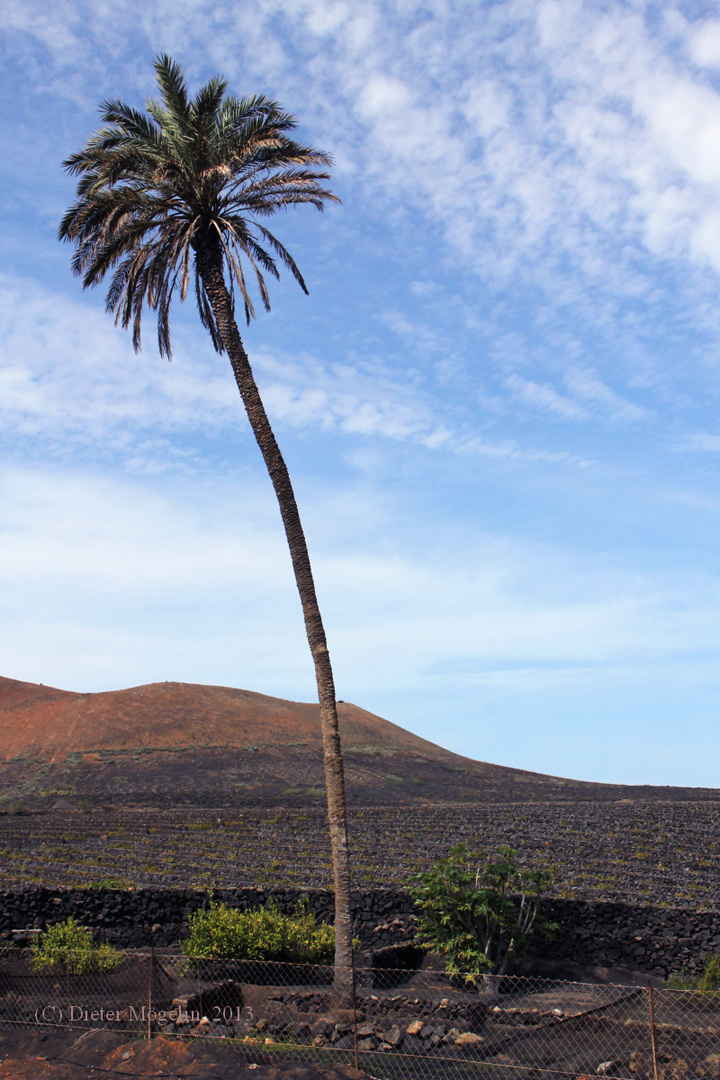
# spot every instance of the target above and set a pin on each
(591, 933)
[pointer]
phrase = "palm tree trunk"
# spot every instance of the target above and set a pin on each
(209, 262)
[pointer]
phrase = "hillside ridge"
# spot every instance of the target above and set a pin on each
(173, 743)
(46, 723)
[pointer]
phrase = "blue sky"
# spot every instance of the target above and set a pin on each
(500, 402)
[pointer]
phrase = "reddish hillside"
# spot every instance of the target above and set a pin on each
(46, 724)
(177, 743)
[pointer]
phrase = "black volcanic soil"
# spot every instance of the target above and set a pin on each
(59, 1055)
(639, 852)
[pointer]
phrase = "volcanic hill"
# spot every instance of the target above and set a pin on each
(178, 743)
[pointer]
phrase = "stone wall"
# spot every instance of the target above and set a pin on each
(591, 934)
(639, 938)
(140, 917)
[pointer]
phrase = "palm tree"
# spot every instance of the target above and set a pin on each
(179, 192)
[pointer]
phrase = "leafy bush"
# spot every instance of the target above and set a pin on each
(71, 946)
(225, 933)
(680, 980)
(480, 913)
(707, 983)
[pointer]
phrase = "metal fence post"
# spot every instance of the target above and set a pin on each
(199, 991)
(652, 1031)
(150, 988)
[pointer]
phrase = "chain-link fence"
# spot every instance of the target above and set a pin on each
(404, 1023)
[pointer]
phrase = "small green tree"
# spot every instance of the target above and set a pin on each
(70, 946)
(480, 912)
(225, 933)
(707, 983)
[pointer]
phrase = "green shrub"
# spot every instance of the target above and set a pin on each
(680, 980)
(70, 946)
(224, 933)
(480, 912)
(707, 983)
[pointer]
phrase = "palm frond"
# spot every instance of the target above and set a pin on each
(208, 100)
(172, 87)
(130, 122)
(284, 255)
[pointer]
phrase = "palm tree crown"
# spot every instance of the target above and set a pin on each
(154, 187)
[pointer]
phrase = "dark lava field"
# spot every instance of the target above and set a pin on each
(658, 853)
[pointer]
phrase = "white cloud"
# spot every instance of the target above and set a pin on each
(106, 582)
(529, 133)
(589, 395)
(385, 98)
(69, 377)
(703, 43)
(206, 566)
(701, 441)
(71, 383)
(361, 399)
(586, 386)
(545, 398)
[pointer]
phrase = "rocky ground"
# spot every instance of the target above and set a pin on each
(665, 854)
